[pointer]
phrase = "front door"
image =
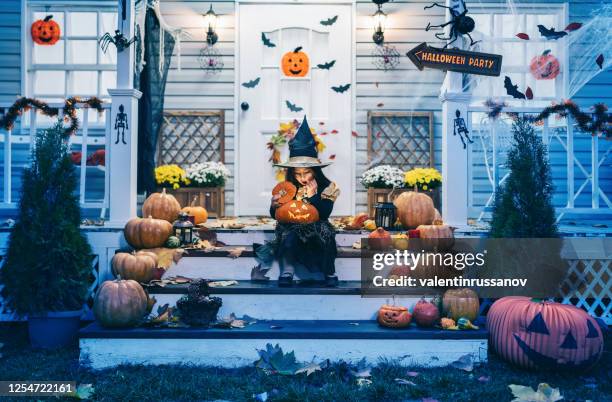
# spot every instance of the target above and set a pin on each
(266, 32)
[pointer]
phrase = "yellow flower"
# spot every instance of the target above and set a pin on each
(424, 187)
(171, 175)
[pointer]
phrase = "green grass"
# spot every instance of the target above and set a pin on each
(161, 383)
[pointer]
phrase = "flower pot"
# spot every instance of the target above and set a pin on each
(54, 329)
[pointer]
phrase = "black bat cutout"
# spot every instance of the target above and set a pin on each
(551, 34)
(252, 83)
(330, 21)
(327, 66)
(267, 41)
(512, 90)
(293, 107)
(342, 88)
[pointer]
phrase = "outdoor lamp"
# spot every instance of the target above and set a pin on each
(379, 19)
(183, 228)
(384, 215)
(210, 20)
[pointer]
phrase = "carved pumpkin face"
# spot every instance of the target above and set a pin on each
(297, 212)
(544, 67)
(295, 63)
(544, 335)
(45, 32)
(394, 316)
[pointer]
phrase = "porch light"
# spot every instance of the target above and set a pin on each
(379, 19)
(210, 20)
(183, 229)
(384, 215)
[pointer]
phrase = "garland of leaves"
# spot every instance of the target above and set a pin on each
(24, 104)
(598, 121)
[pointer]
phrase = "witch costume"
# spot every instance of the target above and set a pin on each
(312, 245)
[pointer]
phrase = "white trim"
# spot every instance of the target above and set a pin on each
(237, 109)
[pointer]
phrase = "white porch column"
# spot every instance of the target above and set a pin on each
(124, 126)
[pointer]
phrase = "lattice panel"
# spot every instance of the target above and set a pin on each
(589, 286)
(403, 139)
(191, 136)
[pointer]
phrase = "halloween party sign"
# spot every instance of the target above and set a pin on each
(462, 61)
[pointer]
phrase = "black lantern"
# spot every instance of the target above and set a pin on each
(183, 228)
(384, 215)
(210, 20)
(379, 20)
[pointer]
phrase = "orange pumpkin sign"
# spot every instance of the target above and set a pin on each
(45, 32)
(295, 63)
(297, 212)
(544, 67)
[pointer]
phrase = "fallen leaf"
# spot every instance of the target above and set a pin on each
(259, 274)
(323, 133)
(599, 60)
(334, 131)
(354, 134)
(274, 360)
(464, 363)
(180, 279)
(83, 391)
(529, 93)
(545, 393)
(412, 374)
(357, 245)
(484, 378)
(522, 36)
(275, 327)
(573, 26)
(263, 397)
(332, 157)
(363, 382)
(402, 381)
(235, 252)
(222, 284)
(309, 369)
(380, 104)
(167, 256)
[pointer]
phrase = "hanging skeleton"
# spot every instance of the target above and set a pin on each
(121, 124)
(459, 127)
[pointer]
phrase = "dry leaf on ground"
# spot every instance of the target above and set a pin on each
(222, 284)
(235, 252)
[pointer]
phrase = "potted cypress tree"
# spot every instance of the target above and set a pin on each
(47, 269)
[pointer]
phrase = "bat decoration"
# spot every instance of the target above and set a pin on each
(522, 36)
(599, 60)
(293, 107)
(327, 66)
(551, 34)
(252, 83)
(342, 88)
(573, 26)
(330, 21)
(512, 90)
(266, 41)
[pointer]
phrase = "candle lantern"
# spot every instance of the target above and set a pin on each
(384, 215)
(183, 228)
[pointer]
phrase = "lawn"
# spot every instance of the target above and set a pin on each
(126, 383)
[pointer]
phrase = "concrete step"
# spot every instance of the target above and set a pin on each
(310, 341)
(344, 238)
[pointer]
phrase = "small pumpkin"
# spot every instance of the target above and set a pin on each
(448, 323)
(295, 63)
(161, 206)
(414, 209)
(45, 32)
(379, 239)
(297, 212)
(199, 213)
(369, 224)
(544, 67)
(286, 190)
(437, 236)
(400, 241)
(464, 323)
(173, 242)
(393, 316)
(139, 266)
(147, 232)
(425, 313)
(120, 303)
(458, 303)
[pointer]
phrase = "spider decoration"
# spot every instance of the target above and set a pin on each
(210, 60)
(119, 40)
(386, 57)
(460, 24)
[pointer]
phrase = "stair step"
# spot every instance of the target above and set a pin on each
(343, 252)
(269, 288)
(344, 238)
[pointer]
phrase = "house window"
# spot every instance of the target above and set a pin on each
(496, 27)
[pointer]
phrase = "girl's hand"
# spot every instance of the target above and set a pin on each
(311, 188)
(275, 199)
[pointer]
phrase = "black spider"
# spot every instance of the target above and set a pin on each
(460, 24)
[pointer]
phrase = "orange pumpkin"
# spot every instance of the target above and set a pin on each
(379, 239)
(544, 67)
(120, 303)
(199, 213)
(295, 63)
(147, 232)
(140, 266)
(393, 316)
(45, 32)
(286, 190)
(161, 206)
(458, 303)
(437, 236)
(297, 212)
(414, 209)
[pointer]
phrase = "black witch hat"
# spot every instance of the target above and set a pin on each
(303, 150)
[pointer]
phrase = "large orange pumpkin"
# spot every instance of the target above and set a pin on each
(147, 232)
(200, 214)
(295, 63)
(393, 316)
(544, 67)
(286, 190)
(414, 209)
(45, 32)
(458, 303)
(538, 334)
(120, 303)
(437, 236)
(140, 266)
(297, 212)
(161, 206)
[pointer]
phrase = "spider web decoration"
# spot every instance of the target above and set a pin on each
(386, 57)
(210, 60)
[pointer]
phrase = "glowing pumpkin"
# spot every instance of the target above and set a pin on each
(45, 32)
(295, 63)
(544, 67)
(297, 212)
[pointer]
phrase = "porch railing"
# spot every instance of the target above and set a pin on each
(576, 158)
(93, 132)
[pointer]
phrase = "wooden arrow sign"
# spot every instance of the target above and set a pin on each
(461, 61)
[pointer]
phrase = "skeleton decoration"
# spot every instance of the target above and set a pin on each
(119, 40)
(386, 57)
(121, 124)
(210, 60)
(460, 24)
(460, 127)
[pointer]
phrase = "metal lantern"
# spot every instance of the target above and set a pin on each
(210, 20)
(384, 215)
(183, 228)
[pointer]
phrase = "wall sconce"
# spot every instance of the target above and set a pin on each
(379, 19)
(210, 20)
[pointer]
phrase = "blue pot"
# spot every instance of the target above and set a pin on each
(54, 330)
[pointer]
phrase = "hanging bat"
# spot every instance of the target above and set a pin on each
(252, 83)
(341, 88)
(267, 41)
(512, 90)
(327, 66)
(330, 21)
(293, 107)
(551, 34)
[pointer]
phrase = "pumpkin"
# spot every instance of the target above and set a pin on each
(425, 313)
(393, 316)
(147, 232)
(286, 190)
(295, 63)
(379, 239)
(45, 32)
(297, 212)
(543, 335)
(458, 303)
(199, 213)
(400, 241)
(120, 303)
(544, 67)
(448, 323)
(173, 242)
(161, 206)
(464, 323)
(437, 236)
(369, 224)
(138, 266)
(414, 209)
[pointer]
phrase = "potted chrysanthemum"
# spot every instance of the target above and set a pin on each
(427, 180)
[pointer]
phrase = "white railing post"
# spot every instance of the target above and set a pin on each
(84, 134)
(570, 162)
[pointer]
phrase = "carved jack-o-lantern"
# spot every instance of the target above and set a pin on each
(295, 63)
(297, 212)
(45, 32)
(394, 316)
(543, 335)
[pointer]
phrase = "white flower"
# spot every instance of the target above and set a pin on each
(383, 176)
(206, 172)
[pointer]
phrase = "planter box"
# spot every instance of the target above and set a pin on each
(211, 198)
(376, 195)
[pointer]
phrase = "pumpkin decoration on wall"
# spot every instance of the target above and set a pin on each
(140, 266)
(295, 63)
(545, 66)
(147, 232)
(45, 32)
(539, 334)
(120, 303)
(414, 209)
(161, 206)
(297, 212)
(394, 316)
